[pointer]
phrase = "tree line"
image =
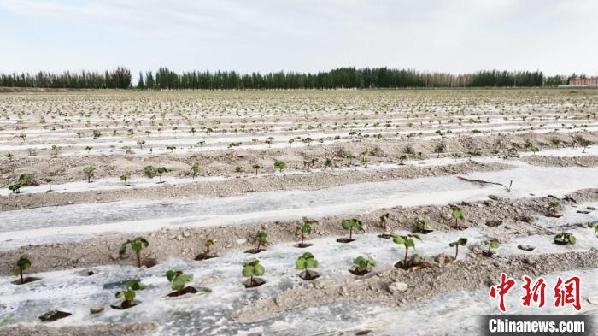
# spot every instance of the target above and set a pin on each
(364, 78)
(120, 78)
(367, 78)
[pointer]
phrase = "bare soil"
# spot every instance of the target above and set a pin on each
(133, 329)
(562, 161)
(63, 169)
(508, 218)
(475, 273)
(237, 186)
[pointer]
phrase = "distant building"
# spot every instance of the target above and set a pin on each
(589, 81)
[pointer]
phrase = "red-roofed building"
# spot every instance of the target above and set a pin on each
(591, 81)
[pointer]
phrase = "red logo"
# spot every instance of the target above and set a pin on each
(566, 292)
(501, 290)
(535, 293)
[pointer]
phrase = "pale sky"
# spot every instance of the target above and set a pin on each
(555, 36)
